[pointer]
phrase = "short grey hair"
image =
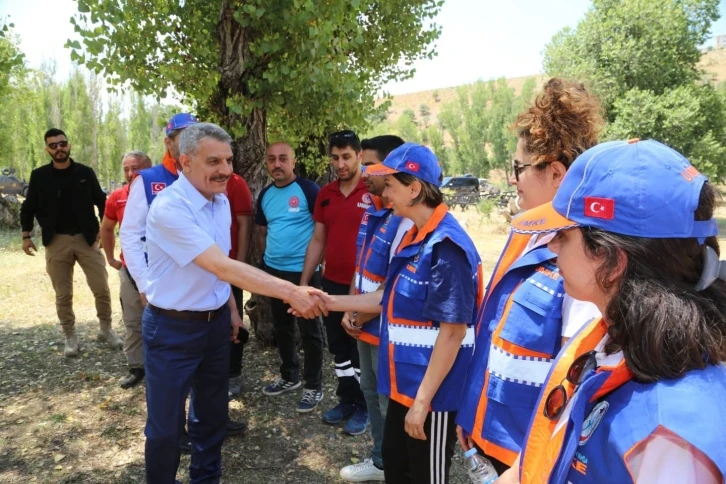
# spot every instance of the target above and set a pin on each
(192, 135)
(139, 155)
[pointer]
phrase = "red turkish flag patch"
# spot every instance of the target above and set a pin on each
(412, 166)
(600, 208)
(157, 187)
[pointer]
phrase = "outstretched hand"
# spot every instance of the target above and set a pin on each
(308, 302)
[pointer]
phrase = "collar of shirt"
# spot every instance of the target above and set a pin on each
(197, 200)
(360, 186)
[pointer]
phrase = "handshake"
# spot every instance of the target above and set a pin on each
(309, 302)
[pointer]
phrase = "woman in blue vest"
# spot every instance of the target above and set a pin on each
(637, 396)
(526, 313)
(428, 308)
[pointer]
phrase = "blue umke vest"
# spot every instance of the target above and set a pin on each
(376, 234)
(406, 338)
(604, 431)
(519, 332)
(155, 180)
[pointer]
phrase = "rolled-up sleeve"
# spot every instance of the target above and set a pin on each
(133, 233)
(171, 226)
(452, 289)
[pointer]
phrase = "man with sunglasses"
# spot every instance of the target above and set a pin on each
(62, 196)
(338, 212)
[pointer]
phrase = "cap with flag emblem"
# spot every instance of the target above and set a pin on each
(637, 188)
(414, 159)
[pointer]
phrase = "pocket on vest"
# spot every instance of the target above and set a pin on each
(534, 320)
(512, 394)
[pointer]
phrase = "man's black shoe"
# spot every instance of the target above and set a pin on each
(135, 376)
(236, 428)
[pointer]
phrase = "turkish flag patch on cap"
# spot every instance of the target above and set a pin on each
(600, 208)
(412, 166)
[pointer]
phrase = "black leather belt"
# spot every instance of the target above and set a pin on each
(190, 315)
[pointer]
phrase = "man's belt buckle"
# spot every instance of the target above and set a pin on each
(209, 316)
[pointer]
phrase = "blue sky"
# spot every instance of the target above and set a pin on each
(481, 39)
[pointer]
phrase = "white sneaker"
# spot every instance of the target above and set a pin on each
(361, 472)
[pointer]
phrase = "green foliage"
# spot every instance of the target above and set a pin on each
(436, 96)
(407, 128)
(641, 58)
(309, 67)
(486, 207)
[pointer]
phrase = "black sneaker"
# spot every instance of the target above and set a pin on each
(280, 386)
(310, 399)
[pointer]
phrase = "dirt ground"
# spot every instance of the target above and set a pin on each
(67, 421)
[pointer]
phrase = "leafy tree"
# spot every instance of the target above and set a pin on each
(302, 67)
(641, 58)
(299, 66)
(407, 128)
(425, 113)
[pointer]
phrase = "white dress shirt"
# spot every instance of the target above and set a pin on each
(181, 225)
(133, 231)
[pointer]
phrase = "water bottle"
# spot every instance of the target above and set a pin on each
(481, 471)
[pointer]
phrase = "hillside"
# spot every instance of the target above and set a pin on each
(713, 62)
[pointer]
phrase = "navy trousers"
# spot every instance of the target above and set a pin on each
(179, 356)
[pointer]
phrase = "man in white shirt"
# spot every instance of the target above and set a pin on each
(191, 312)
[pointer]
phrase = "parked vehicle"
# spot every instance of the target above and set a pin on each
(12, 185)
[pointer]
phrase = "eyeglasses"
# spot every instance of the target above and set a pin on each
(557, 399)
(517, 168)
(62, 144)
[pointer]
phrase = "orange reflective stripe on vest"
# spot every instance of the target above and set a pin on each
(542, 448)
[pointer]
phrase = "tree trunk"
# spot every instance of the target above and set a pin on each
(249, 149)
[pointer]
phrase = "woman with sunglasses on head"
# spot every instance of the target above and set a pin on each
(526, 314)
(428, 307)
(638, 395)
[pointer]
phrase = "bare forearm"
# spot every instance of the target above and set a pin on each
(443, 356)
(313, 256)
(243, 238)
(363, 303)
(109, 243)
(232, 302)
(249, 278)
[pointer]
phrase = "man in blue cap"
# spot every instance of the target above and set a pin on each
(132, 235)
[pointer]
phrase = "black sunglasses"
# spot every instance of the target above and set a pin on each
(517, 168)
(62, 144)
(345, 134)
(557, 399)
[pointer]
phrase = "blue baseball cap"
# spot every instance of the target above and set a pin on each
(411, 158)
(636, 188)
(180, 121)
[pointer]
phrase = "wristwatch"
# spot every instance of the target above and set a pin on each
(27, 237)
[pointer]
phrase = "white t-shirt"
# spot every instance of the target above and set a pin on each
(403, 227)
(575, 313)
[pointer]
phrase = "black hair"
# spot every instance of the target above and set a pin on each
(344, 139)
(663, 326)
(52, 133)
(382, 145)
(430, 195)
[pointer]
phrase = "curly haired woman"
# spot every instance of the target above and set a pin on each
(526, 315)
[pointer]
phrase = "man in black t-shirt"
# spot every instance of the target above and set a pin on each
(62, 196)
